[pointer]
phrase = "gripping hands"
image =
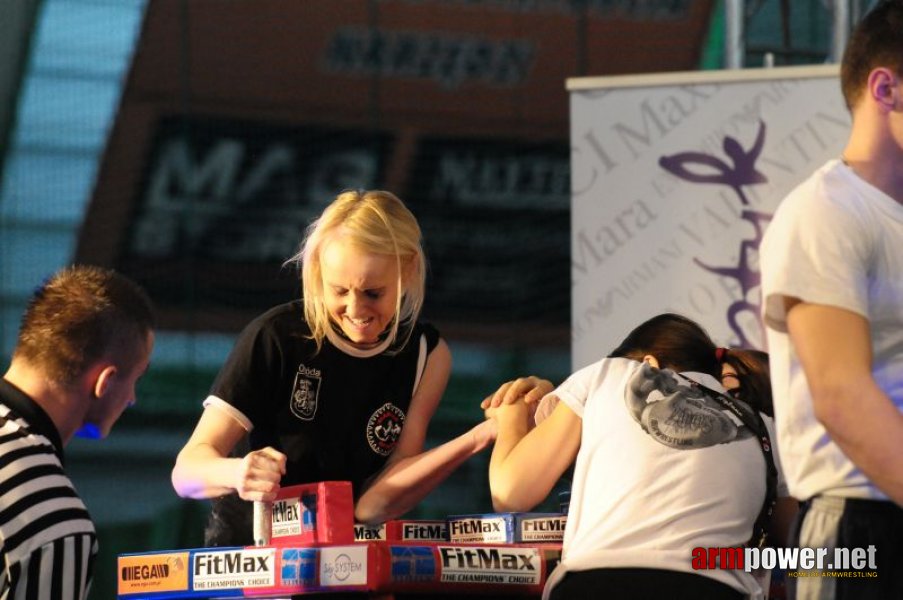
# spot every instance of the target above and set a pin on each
(530, 390)
(259, 473)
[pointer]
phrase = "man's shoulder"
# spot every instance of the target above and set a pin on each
(825, 199)
(39, 505)
(814, 189)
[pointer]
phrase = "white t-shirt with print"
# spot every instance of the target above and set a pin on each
(637, 502)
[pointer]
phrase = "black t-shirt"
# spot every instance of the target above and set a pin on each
(337, 413)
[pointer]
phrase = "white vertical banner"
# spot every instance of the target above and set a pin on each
(674, 179)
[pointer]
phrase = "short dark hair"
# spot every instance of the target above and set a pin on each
(678, 343)
(80, 315)
(753, 376)
(876, 41)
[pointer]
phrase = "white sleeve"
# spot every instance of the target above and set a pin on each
(815, 250)
(577, 389)
(220, 404)
(545, 408)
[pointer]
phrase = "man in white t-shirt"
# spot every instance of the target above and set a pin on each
(832, 278)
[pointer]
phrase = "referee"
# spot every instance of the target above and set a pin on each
(85, 340)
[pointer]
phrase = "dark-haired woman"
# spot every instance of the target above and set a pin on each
(662, 471)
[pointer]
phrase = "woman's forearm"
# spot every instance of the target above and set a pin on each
(527, 461)
(506, 472)
(405, 482)
(200, 472)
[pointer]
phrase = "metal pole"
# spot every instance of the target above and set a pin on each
(841, 29)
(734, 44)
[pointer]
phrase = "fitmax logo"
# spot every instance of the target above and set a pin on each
(365, 532)
(230, 563)
(486, 559)
(284, 511)
(413, 531)
(475, 526)
(545, 525)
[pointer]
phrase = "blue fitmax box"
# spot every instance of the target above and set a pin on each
(507, 528)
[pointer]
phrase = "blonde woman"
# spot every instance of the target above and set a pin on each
(338, 386)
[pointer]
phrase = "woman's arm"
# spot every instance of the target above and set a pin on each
(411, 473)
(204, 469)
(526, 463)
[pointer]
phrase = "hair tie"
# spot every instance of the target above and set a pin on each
(719, 354)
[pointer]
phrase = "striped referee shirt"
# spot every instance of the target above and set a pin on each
(47, 540)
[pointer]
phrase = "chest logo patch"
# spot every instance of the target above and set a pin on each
(305, 392)
(384, 428)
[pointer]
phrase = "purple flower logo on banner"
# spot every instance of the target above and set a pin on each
(739, 171)
(742, 170)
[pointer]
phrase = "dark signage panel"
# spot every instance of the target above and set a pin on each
(497, 229)
(240, 120)
(224, 203)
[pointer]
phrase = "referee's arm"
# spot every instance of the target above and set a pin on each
(59, 570)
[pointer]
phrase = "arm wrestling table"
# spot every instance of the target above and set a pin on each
(379, 569)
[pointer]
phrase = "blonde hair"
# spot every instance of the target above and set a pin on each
(376, 222)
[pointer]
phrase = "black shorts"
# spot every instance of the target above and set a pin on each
(848, 523)
(640, 584)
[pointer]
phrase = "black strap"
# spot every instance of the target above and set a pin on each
(753, 420)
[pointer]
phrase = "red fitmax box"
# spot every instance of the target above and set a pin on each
(403, 530)
(313, 513)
